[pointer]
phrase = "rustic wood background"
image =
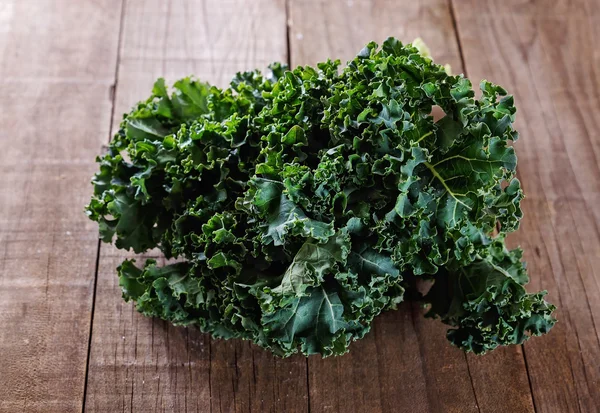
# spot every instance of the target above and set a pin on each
(69, 68)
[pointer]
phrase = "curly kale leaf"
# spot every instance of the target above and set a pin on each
(487, 303)
(303, 203)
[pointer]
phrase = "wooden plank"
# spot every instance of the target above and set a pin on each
(147, 365)
(428, 374)
(399, 354)
(544, 55)
(500, 381)
(54, 41)
(367, 380)
(57, 63)
(321, 29)
(140, 364)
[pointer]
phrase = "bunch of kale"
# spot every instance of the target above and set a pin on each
(303, 203)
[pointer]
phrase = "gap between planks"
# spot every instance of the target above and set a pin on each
(464, 70)
(288, 30)
(113, 95)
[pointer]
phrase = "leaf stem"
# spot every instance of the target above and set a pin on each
(439, 178)
(424, 136)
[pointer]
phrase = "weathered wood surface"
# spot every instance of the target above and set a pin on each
(68, 71)
(545, 54)
(57, 65)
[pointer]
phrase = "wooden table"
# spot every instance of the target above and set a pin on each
(69, 68)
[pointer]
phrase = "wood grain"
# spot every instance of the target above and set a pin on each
(143, 365)
(544, 53)
(64, 74)
(54, 41)
(140, 364)
(57, 64)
